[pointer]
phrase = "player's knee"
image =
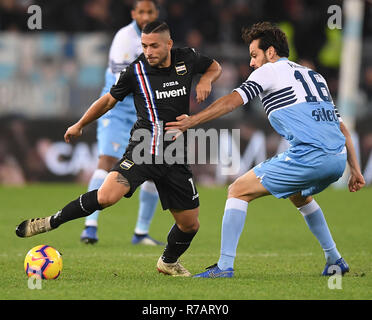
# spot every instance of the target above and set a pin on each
(230, 190)
(149, 186)
(106, 199)
(191, 227)
(236, 190)
(247, 188)
(195, 226)
(299, 201)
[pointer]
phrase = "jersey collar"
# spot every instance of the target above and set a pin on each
(135, 25)
(281, 59)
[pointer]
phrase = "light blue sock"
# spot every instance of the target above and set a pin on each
(317, 224)
(95, 182)
(232, 227)
(148, 201)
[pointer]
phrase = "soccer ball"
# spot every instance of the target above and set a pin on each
(43, 262)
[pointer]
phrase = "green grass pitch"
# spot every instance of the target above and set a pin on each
(278, 257)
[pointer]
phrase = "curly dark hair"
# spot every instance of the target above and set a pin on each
(269, 35)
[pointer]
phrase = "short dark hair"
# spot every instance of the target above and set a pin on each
(269, 35)
(135, 2)
(156, 26)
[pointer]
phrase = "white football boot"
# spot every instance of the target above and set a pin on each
(32, 227)
(173, 269)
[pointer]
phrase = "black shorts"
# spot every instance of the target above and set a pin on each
(174, 183)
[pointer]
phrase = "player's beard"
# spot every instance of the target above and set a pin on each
(265, 59)
(160, 63)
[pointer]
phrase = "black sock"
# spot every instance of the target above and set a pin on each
(83, 206)
(178, 242)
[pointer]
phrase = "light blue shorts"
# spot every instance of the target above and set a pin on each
(300, 169)
(113, 128)
(113, 135)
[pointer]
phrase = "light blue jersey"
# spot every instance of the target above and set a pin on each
(297, 102)
(114, 127)
(299, 107)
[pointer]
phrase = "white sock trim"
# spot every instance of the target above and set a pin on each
(99, 174)
(234, 203)
(149, 187)
(331, 248)
(91, 223)
(140, 231)
(309, 208)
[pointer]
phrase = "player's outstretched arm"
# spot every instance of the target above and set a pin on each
(356, 180)
(204, 86)
(96, 110)
(217, 109)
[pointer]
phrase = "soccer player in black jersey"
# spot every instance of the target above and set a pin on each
(160, 80)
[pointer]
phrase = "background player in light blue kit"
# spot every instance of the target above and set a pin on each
(114, 127)
(299, 107)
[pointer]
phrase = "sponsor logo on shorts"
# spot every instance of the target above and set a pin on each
(126, 164)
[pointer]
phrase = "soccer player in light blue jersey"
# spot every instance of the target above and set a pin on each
(113, 130)
(299, 107)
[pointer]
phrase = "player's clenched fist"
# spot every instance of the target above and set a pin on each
(356, 181)
(74, 131)
(177, 127)
(203, 89)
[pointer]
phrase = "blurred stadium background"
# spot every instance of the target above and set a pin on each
(49, 77)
